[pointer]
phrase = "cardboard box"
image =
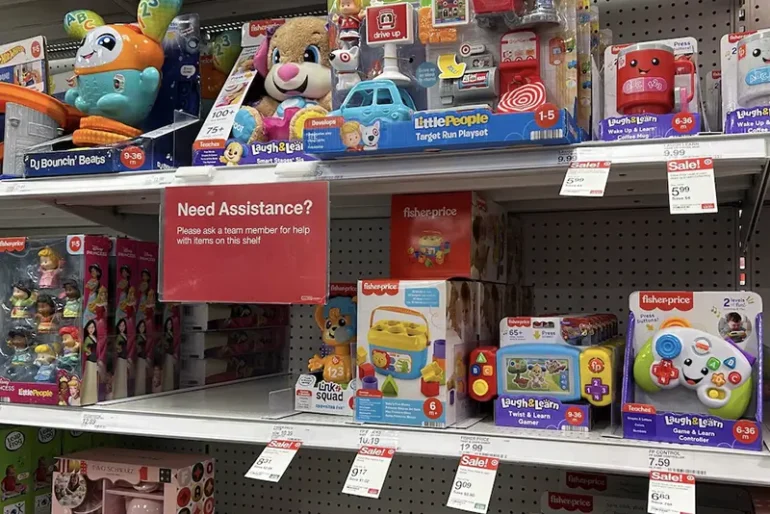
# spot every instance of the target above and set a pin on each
(414, 337)
(16, 470)
(45, 448)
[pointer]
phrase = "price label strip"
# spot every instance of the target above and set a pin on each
(368, 472)
(671, 493)
(671, 460)
(691, 186)
(373, 437)
(95, 422)
(486, 446)
(586, 178)
(274, 460)
(473, 483)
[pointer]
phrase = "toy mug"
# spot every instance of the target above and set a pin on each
(647, 79)
(754, 70)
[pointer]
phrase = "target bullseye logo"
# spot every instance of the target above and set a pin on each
(344, 57)
(465, 50)
(525, 98)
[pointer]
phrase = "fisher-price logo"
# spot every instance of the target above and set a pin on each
(342, 289)
(13, 244)
(519, 322)
(586, 481)
(443, 212)
(380, 287)
(681, 301)
(571, 502)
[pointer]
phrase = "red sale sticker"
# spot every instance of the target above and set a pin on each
(260, 243)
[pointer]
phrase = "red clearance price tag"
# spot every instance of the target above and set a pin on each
(671, 493)
(261, 243)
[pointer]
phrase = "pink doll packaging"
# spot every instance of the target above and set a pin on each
(171, 340)
(123, 481)
(124, 272)
(148, 367)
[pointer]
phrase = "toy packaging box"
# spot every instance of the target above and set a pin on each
(216, 357)
(46, 446)
(713, 101)
(551, 372)
(200, 317)
(427, 76)
(24, 63)
(651, 90)
(414, 337)
(133, 128)
(693, 371)
(447, 235)
(273, 87)
(17, 470)
(171, 339)
(331, 382)
(76, 441)
(122, 481)
(125, 279)
(55, 320)
(746, 82)
(149, 352)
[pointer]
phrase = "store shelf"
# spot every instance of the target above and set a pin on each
(242, 413)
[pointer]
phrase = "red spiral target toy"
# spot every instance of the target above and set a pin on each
(525, 98)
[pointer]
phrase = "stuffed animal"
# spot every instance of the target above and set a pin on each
(294, 62)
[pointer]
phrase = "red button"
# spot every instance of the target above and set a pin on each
(734, 377)
(665, 371)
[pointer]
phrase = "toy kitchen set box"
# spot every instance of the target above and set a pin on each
(693, 370)
(259, 114)
(413, 77)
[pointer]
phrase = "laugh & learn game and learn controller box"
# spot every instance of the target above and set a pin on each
(693, 371)
(414, 337)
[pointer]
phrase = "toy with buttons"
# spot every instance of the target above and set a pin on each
(703, 342)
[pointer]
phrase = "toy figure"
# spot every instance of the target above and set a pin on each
(337, 321)
(141, 358)
(90, 344)
(122, 368)
(46, 310)
(74, 391)
(92, 286)
(22, 298)
(50, 268)
(70, 339)
(349, 21)
(18, 342)
(295, 65)
(63, 389)
(45, 358)
(72, 293)
(117, 67)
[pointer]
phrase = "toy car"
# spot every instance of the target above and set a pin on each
(373, 100)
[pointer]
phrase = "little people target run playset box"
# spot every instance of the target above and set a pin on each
(693, 370)
(57, 349)
(556, 372)
(414, 337)
(332, 382)
(437, 75)
(651, 90)
(746, 82)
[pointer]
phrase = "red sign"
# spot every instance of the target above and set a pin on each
(261, 243)
(389, 24)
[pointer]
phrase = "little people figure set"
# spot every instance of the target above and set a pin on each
(55, 321)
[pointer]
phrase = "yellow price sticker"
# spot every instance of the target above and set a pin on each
(449, 67)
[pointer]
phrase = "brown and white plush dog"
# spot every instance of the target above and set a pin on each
(295, 65)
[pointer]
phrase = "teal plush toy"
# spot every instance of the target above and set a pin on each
(118, 66)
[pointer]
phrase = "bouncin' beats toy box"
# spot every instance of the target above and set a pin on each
(693, 369)
(414, 337)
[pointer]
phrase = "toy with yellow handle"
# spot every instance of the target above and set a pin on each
(117, 67)
(398, 348)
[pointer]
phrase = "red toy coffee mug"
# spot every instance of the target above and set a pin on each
(646, 79)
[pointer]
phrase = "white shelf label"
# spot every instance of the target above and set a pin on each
(288, 432)
(682, 150)
(473, 483)
(274, 460)
(565, 157)
(586, 178)
(373, 437)
(691, 186)
(487, 446)
(671, 493)
(95, 422)
(368, 472)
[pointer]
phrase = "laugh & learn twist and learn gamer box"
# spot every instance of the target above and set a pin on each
(414, 337)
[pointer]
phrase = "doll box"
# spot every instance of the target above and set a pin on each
(182, 483)
(333, 374)
(447, 235)
(693, 369)
(199, 317)
(414, 337)
(746, 82)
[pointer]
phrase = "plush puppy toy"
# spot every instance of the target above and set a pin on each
(295, 65)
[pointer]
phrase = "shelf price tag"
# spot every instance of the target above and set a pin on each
(691, 186)
(479, 445)
(671, 493)
(95, 422)
(274, 460)
(586, 178)
(368, 472)
(473, 483)
(373, 437)
(682, 150)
